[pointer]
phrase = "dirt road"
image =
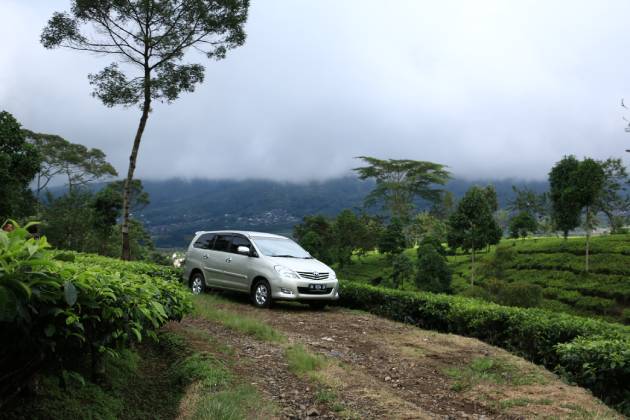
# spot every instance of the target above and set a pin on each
(376, 368)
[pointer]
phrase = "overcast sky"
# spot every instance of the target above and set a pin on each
(491, 88)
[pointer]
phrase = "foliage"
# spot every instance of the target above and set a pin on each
(472, 226)
(348, 233)
(444, 206)
(54, 310)
(398, 182)
(522, 294)
(86, 222)
(316, 235)
(600, 364)
(402, 270)
(613, 200)
(392, 240)
(19, 162)
(75, 161)
(562, 192)
(499, 262)
(425, 224)
(533, 333)
(528, 201)
(432, 271)
(522, 225)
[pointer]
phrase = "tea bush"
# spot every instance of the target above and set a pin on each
(53, 311)
(532, 333)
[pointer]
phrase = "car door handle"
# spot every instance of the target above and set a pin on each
(228, 260)
(205, 257)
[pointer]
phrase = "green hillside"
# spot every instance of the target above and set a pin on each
(555, 264)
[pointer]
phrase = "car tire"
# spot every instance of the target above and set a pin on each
(317, 306)
(197, 283)
(261, 294)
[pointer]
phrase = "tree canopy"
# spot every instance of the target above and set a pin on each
(472, 225)
(399, 182)
(79, 164)
(19, 162)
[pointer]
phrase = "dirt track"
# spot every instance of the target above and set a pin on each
(383, 369)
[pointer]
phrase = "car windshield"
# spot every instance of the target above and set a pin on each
(280, 247)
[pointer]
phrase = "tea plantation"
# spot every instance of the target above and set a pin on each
(556, 265)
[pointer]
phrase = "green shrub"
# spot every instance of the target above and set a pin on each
(595, 304)
(402, 270)
(525, 295)
(602, 365)
(532, 333)
(53, 312)
(432, 271)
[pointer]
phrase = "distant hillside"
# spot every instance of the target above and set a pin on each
(179, 207)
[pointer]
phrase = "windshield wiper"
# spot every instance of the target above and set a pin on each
(285, 256)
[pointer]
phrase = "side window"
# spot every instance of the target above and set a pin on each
(205, 241)
(239, 241)
(222, 243)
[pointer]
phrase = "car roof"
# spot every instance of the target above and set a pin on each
(245, 233)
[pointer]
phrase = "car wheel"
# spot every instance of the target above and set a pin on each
(197, 283)
(261, 294)
(318, 306)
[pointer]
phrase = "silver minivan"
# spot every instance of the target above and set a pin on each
(268, 267)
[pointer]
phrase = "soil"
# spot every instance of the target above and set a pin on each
(383, 369)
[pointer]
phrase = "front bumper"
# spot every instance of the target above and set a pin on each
(300, 291)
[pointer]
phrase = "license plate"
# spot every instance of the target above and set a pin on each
(317, 286)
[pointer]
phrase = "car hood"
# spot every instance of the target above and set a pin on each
(299, 264)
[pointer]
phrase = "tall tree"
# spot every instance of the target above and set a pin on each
(60, 157)
(590, 179)
(19, 162)
(472, 225)
(150, 39)
(577, 186)
(566, 209)
(399, 182)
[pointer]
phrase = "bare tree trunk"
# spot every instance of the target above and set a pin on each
(146, 107)
(472, 266)
(588, 233)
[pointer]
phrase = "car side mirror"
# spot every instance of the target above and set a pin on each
(243, 250)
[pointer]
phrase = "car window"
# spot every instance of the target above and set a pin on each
(239, 241)
(205, 241)
(222, 243)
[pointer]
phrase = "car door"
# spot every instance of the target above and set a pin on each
(217, 261)
(205, 255)
(238, 266)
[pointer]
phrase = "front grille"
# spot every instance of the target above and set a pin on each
(313, 276)
(307, 291)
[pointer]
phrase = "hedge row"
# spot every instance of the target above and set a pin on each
(607, 286)
(58, 308)
(598, 263)
(535, 334)
(614, 244)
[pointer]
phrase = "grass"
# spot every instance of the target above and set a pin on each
(522, 402)
(302, 362)
(207, 306)
(491, 370)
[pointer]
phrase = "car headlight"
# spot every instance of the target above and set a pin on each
(285, 272)
(333, 275)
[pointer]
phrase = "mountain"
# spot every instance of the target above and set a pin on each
(180, 207)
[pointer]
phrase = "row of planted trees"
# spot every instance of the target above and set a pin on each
(579, 191)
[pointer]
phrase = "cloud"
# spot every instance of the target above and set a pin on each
(490, 88)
